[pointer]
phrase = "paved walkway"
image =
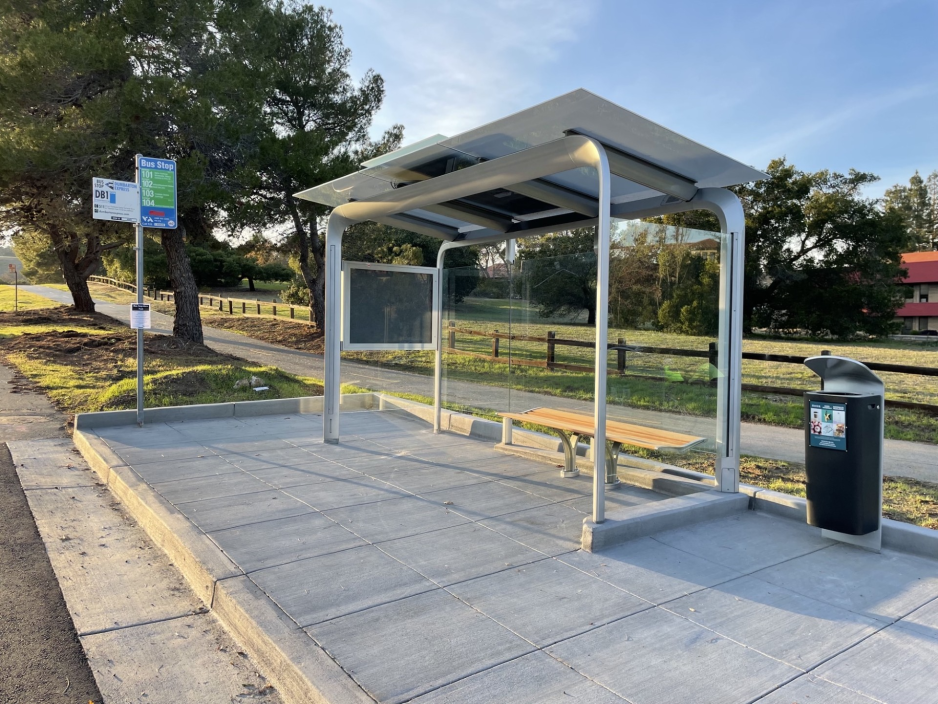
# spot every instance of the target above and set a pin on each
(430, 568)
(906, 459)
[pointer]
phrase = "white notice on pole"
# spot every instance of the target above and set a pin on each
(140, 316)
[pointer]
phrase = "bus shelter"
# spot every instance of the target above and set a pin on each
(572, 162)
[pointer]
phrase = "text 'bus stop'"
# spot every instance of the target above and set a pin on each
(572, 162)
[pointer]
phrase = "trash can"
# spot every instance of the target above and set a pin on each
(843, 451)
(843, 446)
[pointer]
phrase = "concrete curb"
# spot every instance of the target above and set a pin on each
(301, 670)
(898, 536)
(640, 521)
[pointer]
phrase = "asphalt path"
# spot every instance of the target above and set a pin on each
(906, 459)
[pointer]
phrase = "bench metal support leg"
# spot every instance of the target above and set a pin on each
(569, 443)
(612, 463)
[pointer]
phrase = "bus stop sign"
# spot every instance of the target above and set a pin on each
(157, 179)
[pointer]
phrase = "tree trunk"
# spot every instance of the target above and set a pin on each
(77, 284)
(250, 284)
(188, 323)
(309, 241)
(77, 267)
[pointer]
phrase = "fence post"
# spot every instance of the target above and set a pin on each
(495, 345)
(221, 306)
(713, 362)
(274, 306)
(230, 307)
(452, 334)
(258, 307)
(200, 300)
(620, 357)
(550, 348)
(244, 307)
(292, 314)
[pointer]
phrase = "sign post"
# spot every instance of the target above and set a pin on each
(156, 185)
(16, 288)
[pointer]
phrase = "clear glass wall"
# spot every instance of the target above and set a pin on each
(664, 324)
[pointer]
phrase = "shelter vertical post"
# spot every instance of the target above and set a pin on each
(438, 365)
(602, 332)
(332, 373)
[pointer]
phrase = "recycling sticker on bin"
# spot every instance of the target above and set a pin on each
(828, 425)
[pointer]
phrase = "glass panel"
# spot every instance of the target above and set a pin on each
(477, 317)
(389, 307)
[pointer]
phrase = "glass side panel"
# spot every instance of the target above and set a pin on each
(389, 307)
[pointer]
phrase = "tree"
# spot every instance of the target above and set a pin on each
(916, 203)
(315, 127)
(819, 256)
(559, 273)
(61, 67)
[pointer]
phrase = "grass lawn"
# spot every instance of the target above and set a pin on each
(88, 363)
(27, 301)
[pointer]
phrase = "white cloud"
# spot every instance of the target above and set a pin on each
(452, 66)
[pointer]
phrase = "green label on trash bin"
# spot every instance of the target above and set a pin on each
(828, 425)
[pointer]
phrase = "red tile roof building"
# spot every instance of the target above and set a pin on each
(920, 312)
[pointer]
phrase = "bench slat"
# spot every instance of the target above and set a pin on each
(627, 433)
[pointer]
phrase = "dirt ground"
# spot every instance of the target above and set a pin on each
(43, 660)
(278, 331)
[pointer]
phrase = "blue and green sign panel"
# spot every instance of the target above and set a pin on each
(157, 179)
(828, 425)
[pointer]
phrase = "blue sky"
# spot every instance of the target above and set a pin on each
(829, 84)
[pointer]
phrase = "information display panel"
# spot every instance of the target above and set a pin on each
(389, 307)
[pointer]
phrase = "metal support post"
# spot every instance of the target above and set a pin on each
(602, 333)
(139, 249)
(438, 362)
(332, 376)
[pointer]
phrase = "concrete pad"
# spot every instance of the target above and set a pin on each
(429, 479)
(532, 679)
(486, 499)
(746, 542)
(551, 529)
(163, 453)
(325, 496)
(624, 496)
(460, 553)
(181, 491)
(97, 554)
(284, 455)
(247, 445)
(396, 518)
(655, 656)
(126, 436)
(923, 620)
(297, 475)
(49, 464)
(780, 623)
(208, 466)
(550, 485)
(893, 666)
(283, 540)
(230, 511)
(321, 588)
(885, 586)
(547, 601)
(406, 648)
(651, 570)
(808, 689)
(176, 661)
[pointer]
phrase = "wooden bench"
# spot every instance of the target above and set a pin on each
(572, 426)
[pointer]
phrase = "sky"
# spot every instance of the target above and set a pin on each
(828, 84)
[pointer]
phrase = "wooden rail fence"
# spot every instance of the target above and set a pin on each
(215, 302)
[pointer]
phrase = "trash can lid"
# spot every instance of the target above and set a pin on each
(845, 374)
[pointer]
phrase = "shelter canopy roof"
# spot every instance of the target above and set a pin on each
(671, 156)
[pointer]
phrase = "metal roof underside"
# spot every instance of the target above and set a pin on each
(670, 166)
